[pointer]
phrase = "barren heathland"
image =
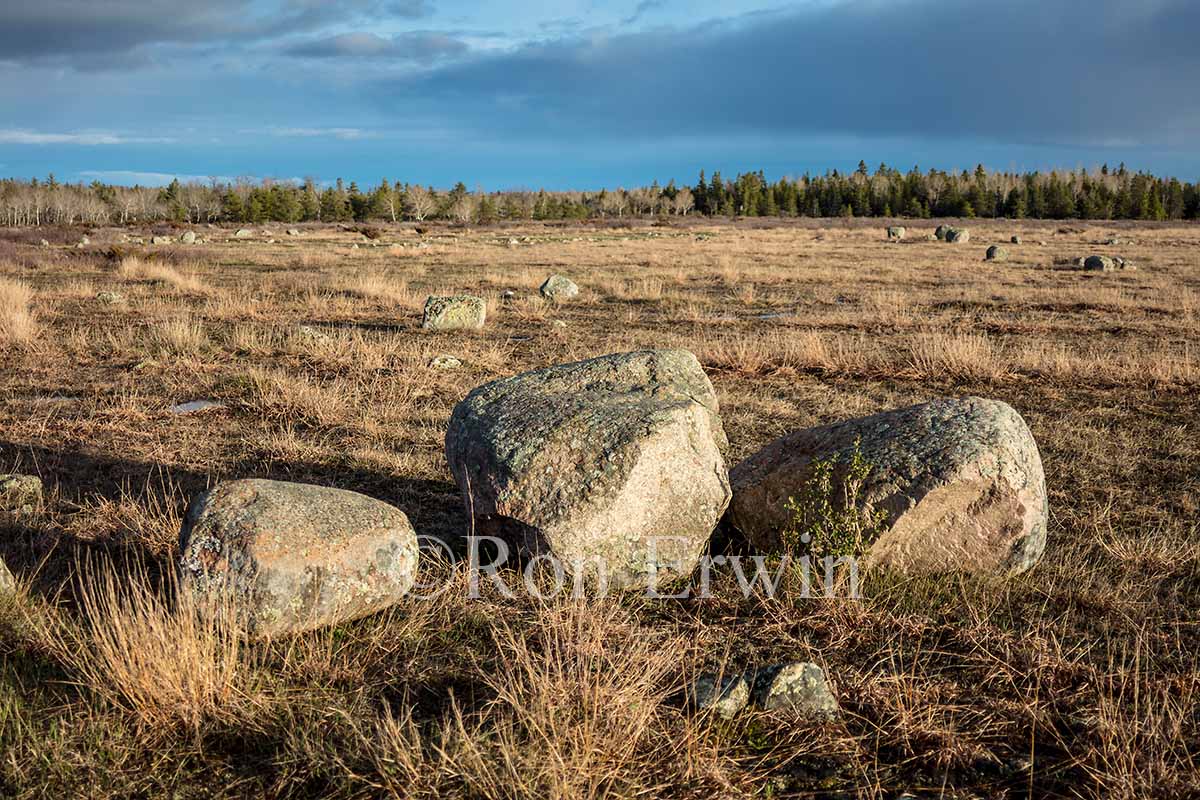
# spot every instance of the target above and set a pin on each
(135, 375)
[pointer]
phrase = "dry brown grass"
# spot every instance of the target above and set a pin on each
(17, 322)
(150, 651)
(134, 268)
(1079, 679)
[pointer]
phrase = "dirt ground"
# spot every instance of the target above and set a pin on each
(1080, 678)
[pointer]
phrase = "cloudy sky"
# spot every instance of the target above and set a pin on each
(586, 93)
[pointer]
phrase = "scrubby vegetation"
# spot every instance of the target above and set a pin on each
(1079, 678)
(1097, 194)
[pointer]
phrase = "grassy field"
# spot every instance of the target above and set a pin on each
(1078, 679)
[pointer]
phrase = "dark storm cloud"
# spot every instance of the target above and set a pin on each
(1096, 72)
(422, 46)
(87, 32)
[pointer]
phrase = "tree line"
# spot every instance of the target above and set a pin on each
(1100, 193)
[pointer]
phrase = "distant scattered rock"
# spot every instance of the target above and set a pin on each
(458, 312)
(558, 287)
(295, 557)
(110, 298)
(312, 334)
(83, 240)
(896, 232)
(958, 236)
(508, 294)
(1016, 240)
(612, 463)
(445, 362)
(1099, 264)
(292, 232)
(513, 243)
(960, 480)
(188, 237)
(20, 494)
(1113, 242)
(45, 243)
(243, 233)
(997, 253)
(725, 696)
(941, 232)
(1124, 264)
(799, 687)
(196, 406)
(161, 240)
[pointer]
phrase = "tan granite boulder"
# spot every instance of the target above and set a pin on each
(960, 480)
(294, 557)
(616, 460)
(460, 312)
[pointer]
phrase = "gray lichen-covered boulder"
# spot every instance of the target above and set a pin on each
(457, 312)
(188, 237)
(958, 236)
(997, 253)
(243, 233)
(20, 494)
(941, 232)
(1099, 264)
(799, 687)
(896, 232)
(293, 557)
(558, 287)
(960, 481)
(613, 464)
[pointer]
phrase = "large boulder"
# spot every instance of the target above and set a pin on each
(960, 482)
(615, 461)
(243, 233)
(293, 557)
(1099, 264)
(188, 237)
(896, 232)
(997, 253)
(941, 232)
(558, 287)
(459, 312)
(958, 236)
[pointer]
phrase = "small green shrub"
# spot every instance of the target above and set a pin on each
(827, 519)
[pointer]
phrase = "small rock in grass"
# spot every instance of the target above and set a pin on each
(20, 494)
(196, 406)
(110, 298)
(558, 287)
(188, 237)
(800, 687)
(1099, 264)
(458, 312)
(724, 696)
(445, 362)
